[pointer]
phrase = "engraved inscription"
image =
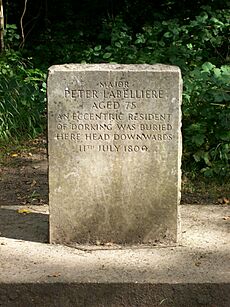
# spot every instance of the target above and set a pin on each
(115, 119)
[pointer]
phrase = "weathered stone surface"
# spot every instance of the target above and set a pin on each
(114, 153)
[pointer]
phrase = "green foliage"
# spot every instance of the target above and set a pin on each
(120, 48)
(196, 39)
(11, 37)
(186, 43)
(206, 119)
(22, 92)
(64, 45)
(199, 47)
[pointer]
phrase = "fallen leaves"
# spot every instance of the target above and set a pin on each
(54, 275)
(20, 154)
(198, 263)
(223, 200)
(34, 182)
(13, 155)
(36, 166)
(108, 244)
(23, 211)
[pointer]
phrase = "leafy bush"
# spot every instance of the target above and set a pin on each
(22, 92)
(206, 118)
(186, 43)
(199, 47)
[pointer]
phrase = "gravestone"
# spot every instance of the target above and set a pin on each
(114, 145)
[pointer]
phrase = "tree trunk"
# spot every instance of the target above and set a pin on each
(1, 27)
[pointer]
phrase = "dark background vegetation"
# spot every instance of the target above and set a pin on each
(191, 34)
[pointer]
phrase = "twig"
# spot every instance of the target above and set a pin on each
(1, 27)
(21, 24)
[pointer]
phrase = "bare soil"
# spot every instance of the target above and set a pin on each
(24, 178)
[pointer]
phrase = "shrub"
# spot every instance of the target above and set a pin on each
(22, 92)
(198, 45)
(206, 120)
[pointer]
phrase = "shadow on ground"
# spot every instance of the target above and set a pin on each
(28, 227)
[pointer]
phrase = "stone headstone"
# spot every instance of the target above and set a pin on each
(114, 146)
